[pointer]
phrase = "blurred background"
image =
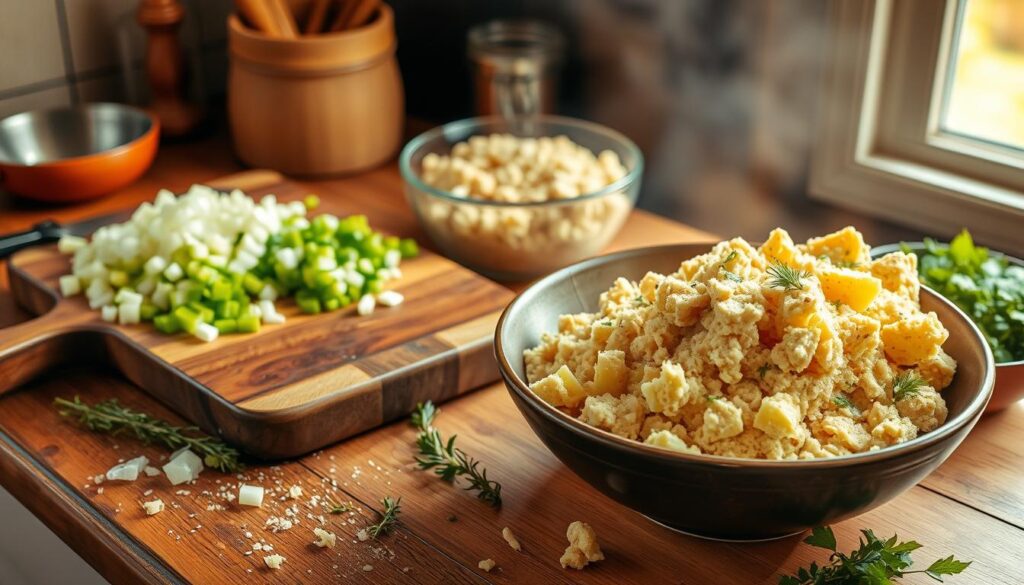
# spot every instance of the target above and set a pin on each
(719, 94)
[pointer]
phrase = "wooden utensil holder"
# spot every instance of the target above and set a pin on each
(328, 104)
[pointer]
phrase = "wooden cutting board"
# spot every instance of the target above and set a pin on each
(290, 388)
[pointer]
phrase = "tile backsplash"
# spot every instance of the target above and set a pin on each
(61, 52)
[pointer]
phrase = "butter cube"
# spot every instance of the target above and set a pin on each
(850, 287)
(779, 416)
(560, 389)
(611, 374)
(913, 338)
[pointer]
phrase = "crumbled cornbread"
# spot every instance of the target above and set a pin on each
(583, 548)
(779, 352)
(486, 565)
(510, 538)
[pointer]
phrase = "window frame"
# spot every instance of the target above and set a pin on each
(877, 150)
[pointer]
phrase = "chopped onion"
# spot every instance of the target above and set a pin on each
(250, 495)
(129, 470)
(184, 466)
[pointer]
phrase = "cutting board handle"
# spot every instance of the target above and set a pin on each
(28, 349)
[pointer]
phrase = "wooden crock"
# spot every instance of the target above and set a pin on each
(320, 105)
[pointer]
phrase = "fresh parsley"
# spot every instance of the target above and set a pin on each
(785, 276)
(985, 285)
(340, 508)
(764, 370)
(110, 417)
(448, 461)
(875, 562)
(906, 385)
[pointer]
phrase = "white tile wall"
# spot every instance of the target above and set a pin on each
(60, 52)
(30, 47)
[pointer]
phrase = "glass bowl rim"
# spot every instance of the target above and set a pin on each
(411, 177)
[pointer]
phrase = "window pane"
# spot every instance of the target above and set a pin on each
(985, 94)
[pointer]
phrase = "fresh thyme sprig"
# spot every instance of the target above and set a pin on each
(785, 276)
(448, 461)
(388, 518)
(110, 417)
(906, 385)
(876, 561)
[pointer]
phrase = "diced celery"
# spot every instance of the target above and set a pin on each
(373, 285)
(409, 248)
(332, 304)
(247, 323)
(166, 323)
(147, 311)
(220, 291)
(187, 318)
(252, 283)
(311, 201)
(118, 278)
(226, 325)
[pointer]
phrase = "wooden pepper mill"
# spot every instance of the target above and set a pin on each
(166, 69)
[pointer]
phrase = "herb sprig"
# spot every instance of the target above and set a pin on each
(875, 562)
(388, 518)
(842, 401)
(724, 267)
(785, 276)
(110, 417)
(906, 385)
(448, 461)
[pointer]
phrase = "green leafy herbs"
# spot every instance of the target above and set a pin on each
(713, 397)
(340, 508)
(764, 370)
(724, 267)
(842, 401)
(640, 300)
(984, 285)
(110, 417)
(785, 276)
(906, 385)
(448, 461)
(875, 562)
(388, 518)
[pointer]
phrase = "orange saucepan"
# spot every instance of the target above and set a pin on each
(76, 153)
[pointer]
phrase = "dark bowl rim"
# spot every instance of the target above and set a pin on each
(518, 386)
(886, 249)
(412, 177)
(154, 125)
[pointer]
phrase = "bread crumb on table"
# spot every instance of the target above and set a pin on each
(583, 548)
(510, 538)
(486, 565)
(324, 538)
(274, 561)
(154, 507)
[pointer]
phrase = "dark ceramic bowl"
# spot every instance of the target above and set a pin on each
(1009, 387)
(722, 497)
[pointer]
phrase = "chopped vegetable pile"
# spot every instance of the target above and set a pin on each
(987, 287)
(209, 263)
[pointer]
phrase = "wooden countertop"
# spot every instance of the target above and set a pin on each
(973, 506)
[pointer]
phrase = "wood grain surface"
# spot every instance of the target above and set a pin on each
(311, 381)
(971, 507)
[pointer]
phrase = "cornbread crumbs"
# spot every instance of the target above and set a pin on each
(583, 548)
(510, 538)
(486, 565)
(782, 351)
